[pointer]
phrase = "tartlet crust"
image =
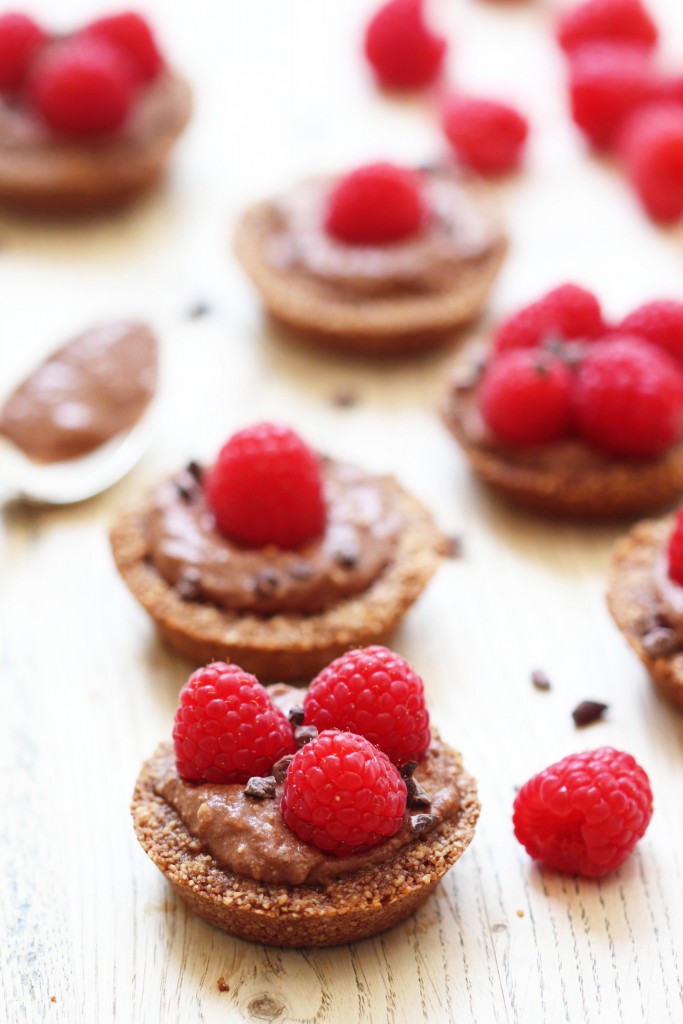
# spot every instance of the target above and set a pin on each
(351, 908)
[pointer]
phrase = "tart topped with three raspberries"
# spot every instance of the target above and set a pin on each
(570, 416)
(310, 823)
(276, 557)
(86, 119)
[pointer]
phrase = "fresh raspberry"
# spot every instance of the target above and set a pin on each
(226, 727)
(343, 795)
(616, 21)
(267, 488)
(132, 34)
(20, 40)
(376, 204)
(375, 693)
(567, 312)
(401, 48)
(659, 322)
(526, 397)
(629, 397)
(488, 136)
(607, 83)
(584, 814)
(82, 87)
(675, 551)
(651, 148)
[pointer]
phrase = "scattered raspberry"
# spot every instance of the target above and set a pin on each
(20, 40)
(567, 312)
(616, 21)
(488, 136)
(585, 814)
(526, 397)
(651, 147)
(226, 727)
(629, 398)
(608, 83)
(676, 551)
(403, 51)
(376, 204)
(659, 322)
(343, 795)
(82, 87)
(132, 34)
(266, 488)
(375, 693)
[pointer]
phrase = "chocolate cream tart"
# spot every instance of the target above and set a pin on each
(380, 298)
(228, 853)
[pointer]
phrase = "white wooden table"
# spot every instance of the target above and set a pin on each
(90, 931)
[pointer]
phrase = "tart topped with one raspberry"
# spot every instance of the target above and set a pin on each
(275, 556)
(570, 416)
(87, 119)
(379, 260)
(282, 831)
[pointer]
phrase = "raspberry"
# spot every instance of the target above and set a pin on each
(629, 398)
(132, 35)
(375, 204)
(568, 312)
(526, 397)
(659, 322)
(266, 488)
(675, 551)
(651, 147)
(607, 83)
(20, 40)
(584, 814)
(403, 51)
(82, 87)
(488, 136)
(343, 795)
(375, 693)
(618, 21)
(226, 727)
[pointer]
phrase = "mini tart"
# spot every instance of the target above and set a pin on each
(282, 646)
(47, 173)
(565, 478)
(403, 321)
(350, 908)
(634, 604)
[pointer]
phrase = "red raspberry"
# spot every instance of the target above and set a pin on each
(629, 398)
(568, 312)
(607, 83)
(343, 795)
(526, 397)
(403, 51)
(226, 727)
(267, 488)
(488, 136)
(651, 147)
(20, 40)
(375, 693)
(659, 322)
(675, 551)
(617, 21)
(376, 204)
(82, 87)
(132, 35)
(584, 814)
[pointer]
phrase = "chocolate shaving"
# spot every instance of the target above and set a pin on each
(301, 571)
(187, 586)
(452, 547)
(407, 770)
(347, 557)
(588, 711)
(345, 397)
(222, 985)
(417, 795)
(296, 714)
(266, 583)
(281, 767)
(421, 822)
(199, 309)
(186, 486)
(304, 734)
(195, 470)
(660, 642)
(540, 679)
(260, 788)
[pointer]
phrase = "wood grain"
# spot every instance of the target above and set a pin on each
(87, 692)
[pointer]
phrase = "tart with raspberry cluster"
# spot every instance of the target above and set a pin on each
(305, 822)
(276, 557)
(570, 416)
(87, 119)
(380, 260)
